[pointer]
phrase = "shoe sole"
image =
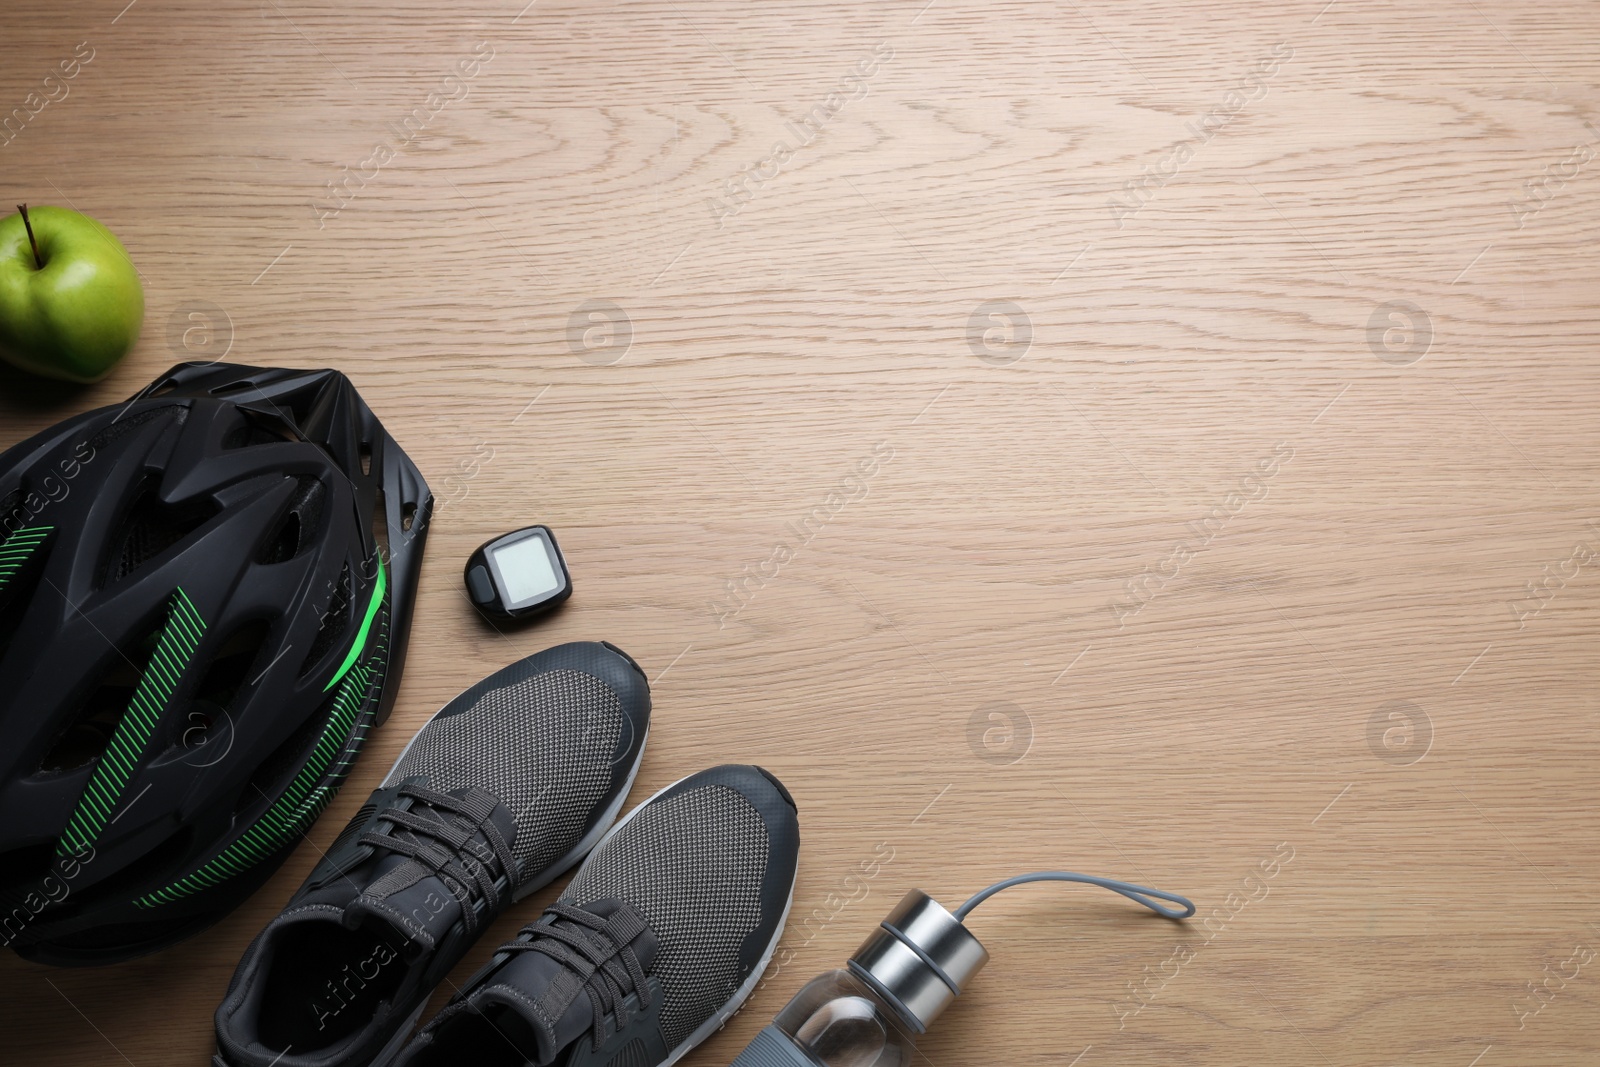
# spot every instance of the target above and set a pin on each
(731, 1007)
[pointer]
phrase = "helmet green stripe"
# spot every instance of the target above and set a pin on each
(366, 627)
(18, 548)
(293, 812)
(176, 646)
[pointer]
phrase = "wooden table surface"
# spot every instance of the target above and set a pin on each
(1225, 377)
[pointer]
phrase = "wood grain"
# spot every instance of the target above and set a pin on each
(1435, 154)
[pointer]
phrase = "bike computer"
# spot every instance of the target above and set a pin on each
(519, 574)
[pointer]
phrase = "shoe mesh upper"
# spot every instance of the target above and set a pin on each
(544, 746)
(692, 864)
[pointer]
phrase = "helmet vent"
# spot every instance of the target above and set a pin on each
(84, 740)
(380, 524)
(297, 528)
(283, 545)
(123, 426)
(151, 528)
(293, 405)
(236, 665)
(277, 771)
(335, 621)
(253, 431)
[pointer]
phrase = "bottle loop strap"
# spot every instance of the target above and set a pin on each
(1137, 893)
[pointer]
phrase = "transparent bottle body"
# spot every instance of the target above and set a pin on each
(839, 1021)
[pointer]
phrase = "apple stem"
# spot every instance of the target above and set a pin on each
(22, 209)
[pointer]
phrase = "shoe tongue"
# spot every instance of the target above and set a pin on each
(532, 978)
(406, 895)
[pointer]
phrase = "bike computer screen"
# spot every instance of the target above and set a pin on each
(519, 574)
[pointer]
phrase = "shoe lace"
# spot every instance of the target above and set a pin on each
(462, 846)
(599, 953)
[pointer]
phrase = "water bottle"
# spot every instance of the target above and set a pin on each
(901, 979)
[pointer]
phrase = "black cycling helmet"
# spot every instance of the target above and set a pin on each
(205, 595)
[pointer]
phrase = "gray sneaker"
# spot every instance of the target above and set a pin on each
(503, 790)
(660, 938)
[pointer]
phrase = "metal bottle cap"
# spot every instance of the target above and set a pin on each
(919, 958)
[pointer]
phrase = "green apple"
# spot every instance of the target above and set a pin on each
(70, 301)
